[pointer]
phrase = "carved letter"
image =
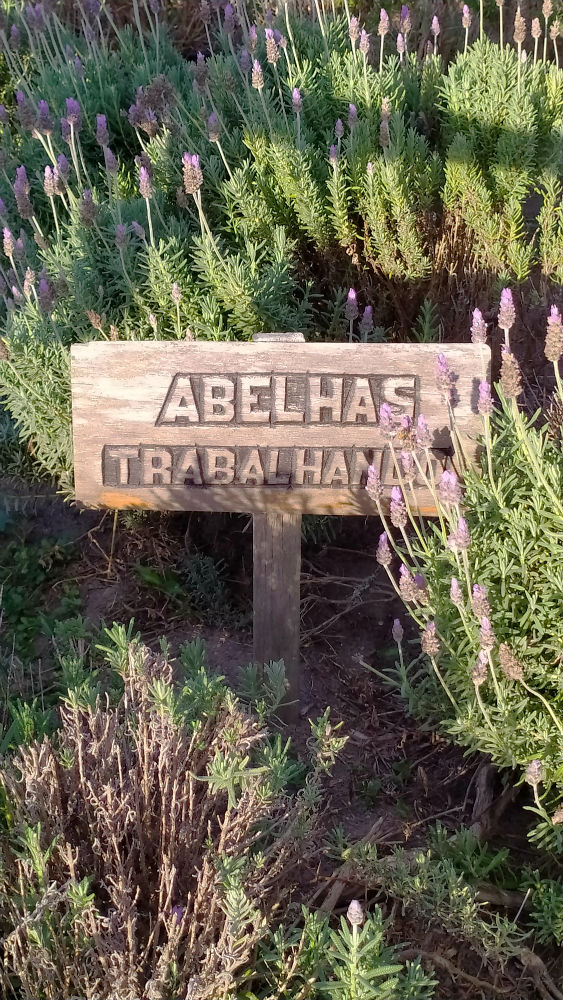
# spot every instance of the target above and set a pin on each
(272, 474)
(250, 471)
(335, 470)
(250, 390)
(156, 466)
(359, 467)
(219, 466)
(218, 399)
(179, 407)
(359, 407)
(121, 454)
(329, 400)
(186, 468)
(307, 463)
(400, 392)
(280, 414)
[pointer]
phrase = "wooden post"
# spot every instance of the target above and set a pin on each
(276, 582)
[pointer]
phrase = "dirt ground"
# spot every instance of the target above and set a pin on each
(393, 778)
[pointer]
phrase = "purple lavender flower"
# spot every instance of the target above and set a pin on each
(354, 29)
(46, 295)
(121, 236)
(386, 421)
(478, 328)
(422, 433)
(401, 45)
(193, 176)
(296, 100)
(407, 466)
(272, 50)
(444, 377)
(510, 374)
(480, 601)
(397, 631)
(176, 294)
(533, 774)
(449, 489)
(73, 113)
(364, 43)
(213, 128)
(63, 167)
(460, 539)
(407, 586)
(507, 312)
(24, 112)
(65, 130)
(456, 595)
(257, 76)
(138, 230)
(78, 67)
(429, 640)
(384, 25)
(28, 282)
(366, 322)
(480, 669)
(44, 120)
(252, 38)
(466, 17)
(398, 508)
(554, 336)
(383, 552)
(87, 209)
(333, 156)
(245, 62)
(229, 19)
(145, 185)
(15, 38)
(487, 637)
(351, 311)
(369, 168)
(110, 161)
(352, 116)
(21, 192)
(154, 6)
(8, 242)
(3, 115)
(102, 134)
(204, 11)
(49, 183)
(435, 26)
(405, 19)
(485, 402)
(178, 914)
(374, 487)
(339, 128)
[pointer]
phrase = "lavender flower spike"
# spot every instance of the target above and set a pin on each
(364, 43)
(449, 489)
(401, 45)
(554, 337)
(352, 116)
(456, 595)
(257, 76)
(507, 312)
(339, 128)
(354, 29)
(435, 26)
(444, 377)
(398, 508)
(478, 328)
(485, 402)
(176, 294)
(397, 631)
(487, 637)
(296, 100)
(429, 641)
(193, 176)
(73, 113)
(145, 186)
(460, 539)
(351, 311)
(466, 17)
(333, 156)
(102, 134)
(8, 242)
(384, 25)
(366, 322)
(383, 552)
(374, 487)
(110, 161)
(386, 421)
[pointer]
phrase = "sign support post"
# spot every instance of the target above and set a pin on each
(276, 601)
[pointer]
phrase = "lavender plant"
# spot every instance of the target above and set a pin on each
(147, 197)
(149, 842)
(485, 581)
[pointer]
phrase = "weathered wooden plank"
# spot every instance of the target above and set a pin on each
(276, 619)
(255, 427)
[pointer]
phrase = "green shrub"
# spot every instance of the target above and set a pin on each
(150, 841)
(485, 585)
(393, 175)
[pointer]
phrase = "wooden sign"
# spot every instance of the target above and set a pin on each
(277, 428)
(287, 427)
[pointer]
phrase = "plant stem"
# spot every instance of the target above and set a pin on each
(443, 683)
(149, 219)
(537, 694)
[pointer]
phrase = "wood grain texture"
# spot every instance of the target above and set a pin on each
(243, 447)
(276, 595)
